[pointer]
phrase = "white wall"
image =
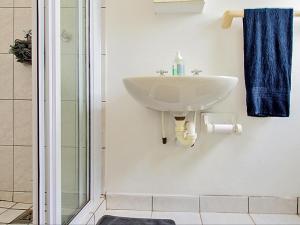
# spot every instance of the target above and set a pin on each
(263, 161)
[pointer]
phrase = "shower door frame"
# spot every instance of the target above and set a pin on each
(46, 65)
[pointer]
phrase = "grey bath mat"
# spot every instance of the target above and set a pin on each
(113, 220)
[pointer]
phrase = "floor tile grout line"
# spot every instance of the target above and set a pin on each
(201, 218)
(252, 219)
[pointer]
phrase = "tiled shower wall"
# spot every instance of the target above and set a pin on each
(15, 105)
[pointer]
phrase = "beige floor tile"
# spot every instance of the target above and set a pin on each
(10, 215)
(226, 218)
(129, 213)
(22, 206)
(2, 210)
(7, 205)
(180, 218)
(278, 219)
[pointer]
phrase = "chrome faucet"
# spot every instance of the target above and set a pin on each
(196, 72)
(162, 72)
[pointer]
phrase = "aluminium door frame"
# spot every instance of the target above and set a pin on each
(46, 65)
(46, 138)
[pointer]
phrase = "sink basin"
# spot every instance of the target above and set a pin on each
(180, 94)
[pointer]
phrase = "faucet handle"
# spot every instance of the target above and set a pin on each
(196, 72)
(162, 72)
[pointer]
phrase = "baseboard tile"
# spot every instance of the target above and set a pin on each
(209, 203)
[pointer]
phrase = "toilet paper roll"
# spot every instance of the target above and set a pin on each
(224, 128)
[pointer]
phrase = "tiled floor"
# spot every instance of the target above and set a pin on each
(9, 211)
(186, 218)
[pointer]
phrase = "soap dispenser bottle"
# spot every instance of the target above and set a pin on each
(178, 66)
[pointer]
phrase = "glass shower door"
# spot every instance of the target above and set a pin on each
(75, 145)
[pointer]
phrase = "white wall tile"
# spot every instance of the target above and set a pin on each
(6, 122)
(68, 80)
(273, 205)
(129, 202)
(129, 213)
(226, 219)
(69, 173)
(68, 25)
(69, 199)
(23, 168)
(6, 168)
(6, 29)
(15, 83)
(68, 121)
(6, 3)
(180, 218)
(176, 203)
(22, 3)
(22, 81)
(22, 122)
(68, 3)
(6, 76)
(22, 197)
(22, 22)
(224, 204)
(278, 219)
(6, 195)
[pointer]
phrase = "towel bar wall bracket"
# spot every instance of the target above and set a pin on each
(229, 15)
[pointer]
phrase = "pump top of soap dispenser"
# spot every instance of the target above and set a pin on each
(178, 58)
(178, 67)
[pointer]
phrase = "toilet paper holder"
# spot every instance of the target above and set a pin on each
(222, 123)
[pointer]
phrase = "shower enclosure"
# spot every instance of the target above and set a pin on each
(68, 88)
(75, 147)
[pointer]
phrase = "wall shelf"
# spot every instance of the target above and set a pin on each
(178, 6)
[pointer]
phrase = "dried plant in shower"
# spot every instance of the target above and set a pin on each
(22, 49)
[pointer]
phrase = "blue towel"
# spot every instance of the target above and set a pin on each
(268, 43)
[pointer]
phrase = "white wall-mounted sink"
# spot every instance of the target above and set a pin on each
(180, 94)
